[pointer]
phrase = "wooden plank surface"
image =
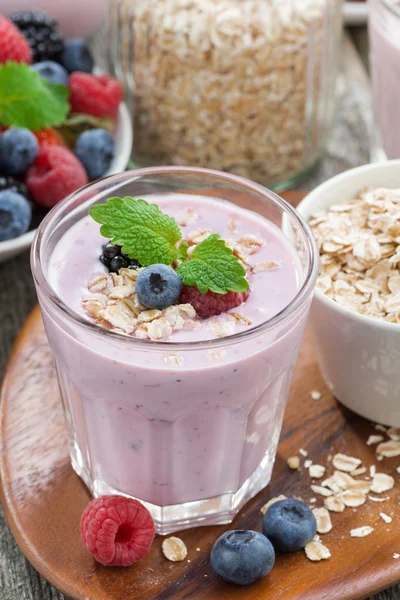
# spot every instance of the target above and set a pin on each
(348, 146)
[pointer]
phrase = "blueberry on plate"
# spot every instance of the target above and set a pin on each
(158, 286)
(289, 525)
(18, 149)
(242, 557)
(95, 149)
(76, 56)
(15, 215)
(51, 71)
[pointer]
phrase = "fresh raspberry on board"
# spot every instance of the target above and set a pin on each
(48, 137)
(55, 174)
(211, 304)
(118, 531)
(96, 95)
(13, 45)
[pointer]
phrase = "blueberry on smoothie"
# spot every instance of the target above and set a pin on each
(242, 557)
(18, 149)
(289, 524)
(51, 71)
(158, 286)
(15, 215)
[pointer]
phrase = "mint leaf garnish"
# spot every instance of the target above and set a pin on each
(143, 231)
(212, 266)
(28, 100)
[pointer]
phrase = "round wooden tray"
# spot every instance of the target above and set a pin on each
(43, 499)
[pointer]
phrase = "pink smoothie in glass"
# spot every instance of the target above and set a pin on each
(200, 431)
(384, 33)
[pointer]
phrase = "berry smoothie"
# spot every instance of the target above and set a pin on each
(187, 422)
(384, 28)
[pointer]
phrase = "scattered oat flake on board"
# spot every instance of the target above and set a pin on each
(316, 471)
(334, 504)
(372, 471)
(395, 555)
(342, 462)
(374, 439)
(307, 463)
(315, 551)
(323, 518)
(359, 471)
(385, 517)
(375, 499)
(380, 427)
(303, 452)
(174, 549)
(389, 449)
(266, 506)
(382, 483)
(293, 462)
(316, 395)
(323, 491)
(360, 532)
(394, 433)
(353, 499)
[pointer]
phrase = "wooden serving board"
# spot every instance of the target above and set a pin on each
(43, 498)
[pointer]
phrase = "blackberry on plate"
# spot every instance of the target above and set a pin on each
(114, 259)
(14, 185)
(42, 33)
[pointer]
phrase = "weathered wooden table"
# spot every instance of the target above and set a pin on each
(348, 147)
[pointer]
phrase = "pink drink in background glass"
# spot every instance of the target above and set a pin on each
(193, 441)
(76, 18)
(384, 34)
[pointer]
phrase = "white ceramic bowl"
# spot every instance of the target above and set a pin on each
(123, 148)
(359, 356)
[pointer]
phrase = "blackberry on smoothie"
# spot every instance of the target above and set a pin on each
(175, 319)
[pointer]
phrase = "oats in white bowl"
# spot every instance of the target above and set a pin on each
(359, 245)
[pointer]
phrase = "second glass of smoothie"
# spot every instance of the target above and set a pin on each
(188, 424)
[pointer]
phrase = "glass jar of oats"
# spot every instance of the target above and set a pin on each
(245, 86)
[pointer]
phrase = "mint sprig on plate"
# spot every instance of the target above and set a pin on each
(27, 100)
(151, 236)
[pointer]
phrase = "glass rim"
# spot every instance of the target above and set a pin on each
(392, 7)
(269, 324)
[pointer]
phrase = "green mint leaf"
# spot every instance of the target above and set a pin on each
(28, 100)
(212, 266)
(143, 231)
(183, 250)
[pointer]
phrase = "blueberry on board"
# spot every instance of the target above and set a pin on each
(289, 525)
(15, 215)
(51, 71)
(76, 56)
(242, 557)
(18, 149)
(95, 149)
(158, 286)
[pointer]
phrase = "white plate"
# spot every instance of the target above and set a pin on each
(355, 13)
(123, 148)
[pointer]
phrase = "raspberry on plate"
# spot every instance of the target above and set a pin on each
(211, 304)
(96, 95)
(55, 174)
(48, 137)
(13, 45)
(118, 531)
